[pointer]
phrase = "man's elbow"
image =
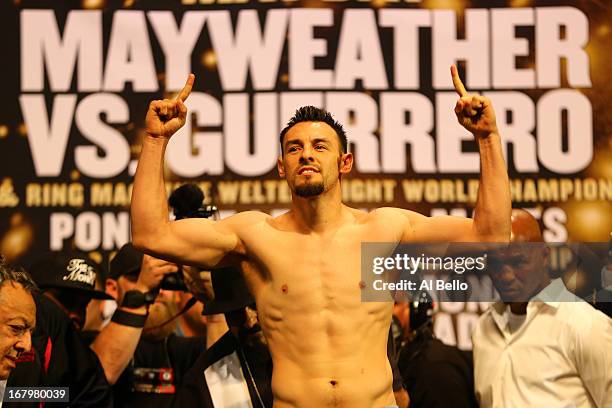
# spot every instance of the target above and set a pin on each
(147, 241)
(144, 233)
(140, 242)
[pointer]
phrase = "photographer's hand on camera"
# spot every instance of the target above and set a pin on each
(152, 272)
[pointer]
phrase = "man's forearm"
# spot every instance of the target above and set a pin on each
(216, 327)
(149, 208)
(493, 205)
(115, 346)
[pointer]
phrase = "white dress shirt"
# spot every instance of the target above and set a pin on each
(226, 383)
(558, 356)
(2, 388)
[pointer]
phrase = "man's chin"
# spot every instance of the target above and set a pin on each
(159, 313)
(309, 190)
(5, 370)
(511, 296)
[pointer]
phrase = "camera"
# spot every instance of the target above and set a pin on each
(187, 201)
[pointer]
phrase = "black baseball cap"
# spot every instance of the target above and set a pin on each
(127, 262)
(68, 270)
(231, 292)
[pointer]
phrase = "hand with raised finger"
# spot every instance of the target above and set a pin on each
(165, 117)
(474, 112)
(152, 271)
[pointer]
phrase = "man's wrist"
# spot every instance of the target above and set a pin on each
(125, 318)
(141, 287)
(156, 138)
(486, 139)
(135, 299)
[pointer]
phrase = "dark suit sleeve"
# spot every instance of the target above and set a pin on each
(392, 356)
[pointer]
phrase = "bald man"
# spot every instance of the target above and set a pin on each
(540, 346)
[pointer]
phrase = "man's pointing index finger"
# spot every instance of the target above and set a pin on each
(187, 88)
(459, 88)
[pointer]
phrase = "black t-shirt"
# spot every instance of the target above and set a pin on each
(437, 375)
(60, 358)
(156, 371)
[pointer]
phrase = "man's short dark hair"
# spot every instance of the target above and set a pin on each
(314, 114)
(8, 274)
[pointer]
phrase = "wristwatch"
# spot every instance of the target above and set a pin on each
(135, 298)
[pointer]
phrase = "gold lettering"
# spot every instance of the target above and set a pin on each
(413, 190)
(228, 192)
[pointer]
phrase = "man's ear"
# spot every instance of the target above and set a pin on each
(346, 163)
(111, 288)
(280, 167)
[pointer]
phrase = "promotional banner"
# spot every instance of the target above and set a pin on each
(77, 77)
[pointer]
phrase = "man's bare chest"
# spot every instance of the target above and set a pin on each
(332, 255)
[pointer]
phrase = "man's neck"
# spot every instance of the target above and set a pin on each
(188, 330)
(518, 308)
(521, 307)
(319, 213)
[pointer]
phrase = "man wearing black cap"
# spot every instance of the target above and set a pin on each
(138, 349)
(69, 281)
(60, 357)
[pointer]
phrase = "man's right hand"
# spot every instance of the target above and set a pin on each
(165, 117)
(152, 272)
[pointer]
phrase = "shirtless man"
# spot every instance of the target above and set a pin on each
(303, 267)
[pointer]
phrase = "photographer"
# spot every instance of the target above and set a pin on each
(139, 350)
(140, 353)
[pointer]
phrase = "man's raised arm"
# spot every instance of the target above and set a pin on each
(491, 221)
(191, 241)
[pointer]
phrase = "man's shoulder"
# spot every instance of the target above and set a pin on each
(247, 217)
(388, 215)
(582, 316)
(389, 212)
(49, 317)
(244, 221)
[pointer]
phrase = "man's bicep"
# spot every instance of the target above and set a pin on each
(444, 228)
(195, 241)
